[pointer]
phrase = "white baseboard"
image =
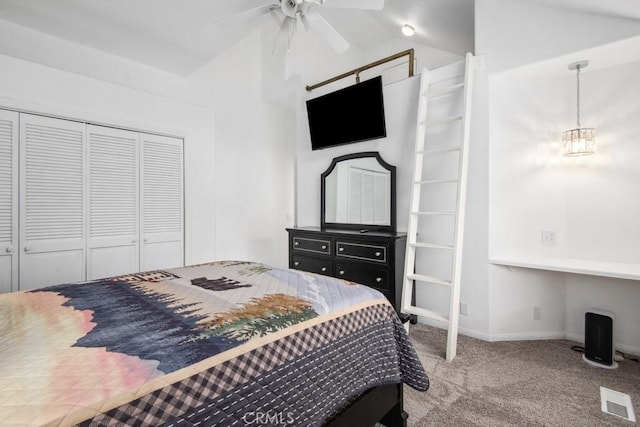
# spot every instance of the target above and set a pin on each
(575, 337)
(620, 347)
(523, 336)
(464, 331)
(527, 336)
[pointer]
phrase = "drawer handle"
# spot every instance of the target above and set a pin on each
(27, 248)
(324, 268)
(378, 253)
(324, 246)
(297, 263)
(341, 249)
(341, 272)
(296, 243)
(378, 279)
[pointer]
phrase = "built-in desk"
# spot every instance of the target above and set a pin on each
(617, 270)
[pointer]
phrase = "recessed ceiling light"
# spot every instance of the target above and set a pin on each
(408, 30)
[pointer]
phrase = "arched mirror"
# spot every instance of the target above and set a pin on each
(358, 192)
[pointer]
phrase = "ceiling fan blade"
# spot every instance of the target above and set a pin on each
(355, 4)
(335, 40)
(308, 6)
(305, 21)
(279, 36)
(278, 16)
(246, 15)
(286, 31)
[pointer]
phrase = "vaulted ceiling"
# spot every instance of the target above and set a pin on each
(182, 36)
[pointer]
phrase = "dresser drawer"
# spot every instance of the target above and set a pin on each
(362, 251)
(372, 259)
(377, 278)
(312, 265)
(307, 244)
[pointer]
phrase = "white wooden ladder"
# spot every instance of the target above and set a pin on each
(435, 230)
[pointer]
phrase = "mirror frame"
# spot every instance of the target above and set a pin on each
(351, 226)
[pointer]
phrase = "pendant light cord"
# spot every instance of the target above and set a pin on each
(578, 93)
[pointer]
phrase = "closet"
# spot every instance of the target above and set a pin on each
(80, 201)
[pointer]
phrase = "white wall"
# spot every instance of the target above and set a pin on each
(255, 152)
(474, 287)
(66, 79)
(529, 112)
(535, 188)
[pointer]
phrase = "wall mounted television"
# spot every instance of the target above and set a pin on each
(351, 114)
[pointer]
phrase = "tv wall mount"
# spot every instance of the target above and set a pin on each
(357, 71)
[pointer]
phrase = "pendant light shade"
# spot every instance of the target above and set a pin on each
(579, 141)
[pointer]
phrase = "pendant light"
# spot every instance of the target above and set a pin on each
(579, 141)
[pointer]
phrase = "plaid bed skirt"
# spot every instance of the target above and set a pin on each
(300, 380)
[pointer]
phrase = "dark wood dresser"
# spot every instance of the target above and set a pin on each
(372, 258)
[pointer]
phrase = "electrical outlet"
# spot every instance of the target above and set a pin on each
(537, 313)
(464, 308)
(548, 238)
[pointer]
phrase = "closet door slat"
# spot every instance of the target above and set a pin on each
(60, 180)
(113, 184)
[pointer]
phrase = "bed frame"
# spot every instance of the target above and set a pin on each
(382, 404)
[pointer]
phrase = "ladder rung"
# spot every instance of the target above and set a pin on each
(428, 279)
(438, 92)
(431, 246)
(444, 120)
(432, 213)
(439, 150)
(436, 181)
(430, 314)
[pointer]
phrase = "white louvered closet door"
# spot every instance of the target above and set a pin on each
(8, 201)
(52, 201)
(113, 244)
(162, 202)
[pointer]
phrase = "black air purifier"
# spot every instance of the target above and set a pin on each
(599, 344)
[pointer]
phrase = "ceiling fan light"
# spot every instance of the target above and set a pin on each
(408, 30)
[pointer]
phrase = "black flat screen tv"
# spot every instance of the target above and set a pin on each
(352, 114)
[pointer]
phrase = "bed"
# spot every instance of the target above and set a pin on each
(225, 343)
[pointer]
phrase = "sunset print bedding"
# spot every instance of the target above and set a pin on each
(213, 344)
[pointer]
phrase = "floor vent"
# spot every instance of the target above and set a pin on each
(616, 403)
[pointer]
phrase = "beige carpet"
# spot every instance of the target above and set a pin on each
(516, 383)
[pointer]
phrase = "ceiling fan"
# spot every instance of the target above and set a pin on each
(291, 15)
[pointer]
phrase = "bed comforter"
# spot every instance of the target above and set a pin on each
(225, 343)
